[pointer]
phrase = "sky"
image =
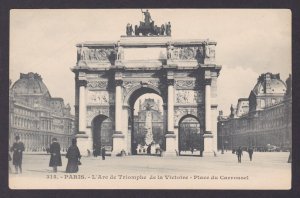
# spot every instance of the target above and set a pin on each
(249, 43)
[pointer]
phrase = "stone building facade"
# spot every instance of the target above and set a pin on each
(36, 116)
(267, 121)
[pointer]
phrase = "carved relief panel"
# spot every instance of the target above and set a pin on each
(188, 97)
(95, 54)
(185, 53)
(186, 84)
(98, 97)
(97, 84)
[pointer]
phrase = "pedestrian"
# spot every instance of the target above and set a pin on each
(103, 153)
(250, 152)
(55, 159)
(73, 156)
(239, 153)
(18, 148)
(192, 149)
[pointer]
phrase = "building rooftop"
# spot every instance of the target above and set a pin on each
(30, 84)
(269, 83)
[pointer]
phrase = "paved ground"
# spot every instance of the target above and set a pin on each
(266, 171)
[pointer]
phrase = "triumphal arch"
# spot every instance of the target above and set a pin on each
(110, 76)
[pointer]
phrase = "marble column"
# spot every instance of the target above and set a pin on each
(208, 136)
(81, 136)
(170, 136)
(118, 106)
(118, 136)
(82, 107)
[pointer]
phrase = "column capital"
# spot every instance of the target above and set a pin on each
(118, 82)
(170, 81)
(207, 81)
(118, 134)
(82, 83)
(170, 135)
(170, 132)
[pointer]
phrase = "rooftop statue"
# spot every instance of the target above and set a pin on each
(129, 29)
(147, 17)
(148, 28)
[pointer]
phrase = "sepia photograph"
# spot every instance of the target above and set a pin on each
(150, 99)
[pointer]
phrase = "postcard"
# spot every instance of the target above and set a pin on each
(150, 99)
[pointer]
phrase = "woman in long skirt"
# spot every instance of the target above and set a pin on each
(55, 159)
(18, 148)
(73, 156)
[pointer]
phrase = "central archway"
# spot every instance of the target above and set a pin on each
(146, 121)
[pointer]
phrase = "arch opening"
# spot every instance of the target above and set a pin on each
(146, 122)
(102, 130)
(190, 136)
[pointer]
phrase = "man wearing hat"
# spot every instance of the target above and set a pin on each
(55, 159)
(17, 149)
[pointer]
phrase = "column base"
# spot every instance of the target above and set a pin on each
(209, 153)
(169, 154)
(118, 144)
(83, 144)
(171, 148)
(208, 145)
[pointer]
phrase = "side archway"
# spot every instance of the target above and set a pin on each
(102, 131)
(190, 136)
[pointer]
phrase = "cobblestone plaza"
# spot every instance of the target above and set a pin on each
(268, 170)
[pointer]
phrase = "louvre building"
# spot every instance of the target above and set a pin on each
(36, 116)
(262, 120)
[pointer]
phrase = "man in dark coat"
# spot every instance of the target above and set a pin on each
(73, 155)
(239, 153)
(103, 153)
(17, 149)
(250, 151)
(55, 159)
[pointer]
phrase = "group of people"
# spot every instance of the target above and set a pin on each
(96, 152)
(73, 155)
(239, 153)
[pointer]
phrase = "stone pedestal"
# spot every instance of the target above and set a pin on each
(208, 145)
(170, 145)
(118, 143)
(83, 144)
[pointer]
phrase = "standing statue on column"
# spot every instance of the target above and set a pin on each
(170, 51)
(168, 29)
(129, 29)
(162, 29)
